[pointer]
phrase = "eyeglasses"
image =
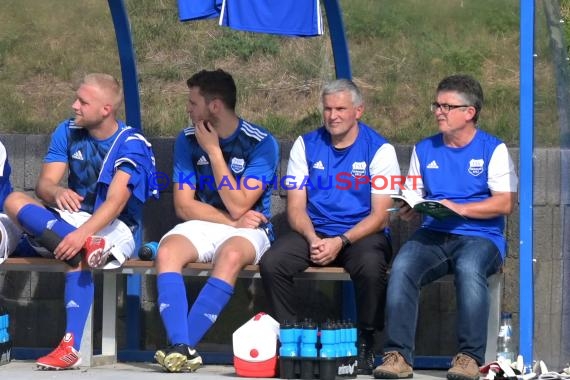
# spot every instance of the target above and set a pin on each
(445, 108)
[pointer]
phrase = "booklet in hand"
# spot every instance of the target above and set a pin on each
(425, 206)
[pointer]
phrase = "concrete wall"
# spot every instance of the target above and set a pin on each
(35, 299)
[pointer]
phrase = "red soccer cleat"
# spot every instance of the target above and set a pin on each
(63, 357)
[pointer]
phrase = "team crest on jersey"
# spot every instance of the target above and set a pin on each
(476, 167)
(358, 169)
(237, 165)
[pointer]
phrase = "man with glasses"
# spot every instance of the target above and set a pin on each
(471, 172)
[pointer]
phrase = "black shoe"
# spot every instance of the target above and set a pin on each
(178, 357)
(366, 353)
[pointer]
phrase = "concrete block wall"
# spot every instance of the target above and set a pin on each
(36, 299)
(549, 260)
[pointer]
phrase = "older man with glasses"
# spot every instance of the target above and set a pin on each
(471, 172)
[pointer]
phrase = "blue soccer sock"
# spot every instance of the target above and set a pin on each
(173, 306)
(36, 219)
(78, 298)
(212, 299)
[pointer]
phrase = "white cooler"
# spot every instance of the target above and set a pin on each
(255, 347)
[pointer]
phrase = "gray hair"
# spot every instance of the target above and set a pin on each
(467, 87)
(341, 85)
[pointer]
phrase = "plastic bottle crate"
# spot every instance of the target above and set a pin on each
(318, 368)
(5, 343)
(5, 349)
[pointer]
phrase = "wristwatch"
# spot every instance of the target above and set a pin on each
(345, 241)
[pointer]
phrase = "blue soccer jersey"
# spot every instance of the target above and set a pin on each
(340, 182)
(250, 152)
(92, 164)
(462, 175)
(198, 9)
(283, 17)
(5, 170)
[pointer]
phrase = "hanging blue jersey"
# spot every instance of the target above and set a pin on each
(198, 9)
(283, 17)
(92, 164)
(250, 152)
(460, 175)
(5, 170)
(336, 198)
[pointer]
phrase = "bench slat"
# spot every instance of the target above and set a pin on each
(41, 264)
(33, 264)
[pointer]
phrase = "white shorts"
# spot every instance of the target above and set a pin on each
(118, 236)
(207, 237)
(10, 237)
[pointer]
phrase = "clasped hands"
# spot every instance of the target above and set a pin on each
(324, 251)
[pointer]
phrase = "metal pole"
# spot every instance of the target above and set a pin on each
(338, 39)
(128, 62)
(133, 118)
(526, 180)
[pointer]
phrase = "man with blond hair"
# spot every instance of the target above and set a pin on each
(95, 220)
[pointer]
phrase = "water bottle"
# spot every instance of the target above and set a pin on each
(288, 339)
(344, 345)
(4, 325)
(328, 340)
(148, 251)
(505, 347)
(309, 340)
(298, 331)
(339, 345)
(5, 344)
(353, 338)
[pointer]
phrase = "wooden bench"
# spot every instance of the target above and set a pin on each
(109, 303)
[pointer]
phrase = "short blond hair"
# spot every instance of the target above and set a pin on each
(109, 85)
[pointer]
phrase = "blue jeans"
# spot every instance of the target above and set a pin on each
(427, 256)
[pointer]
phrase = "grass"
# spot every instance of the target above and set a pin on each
(399, 52)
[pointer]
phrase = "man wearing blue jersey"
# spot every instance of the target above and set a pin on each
(10, 233)
(99, 214)
(222, 165)
(340, 219)
(471, 172)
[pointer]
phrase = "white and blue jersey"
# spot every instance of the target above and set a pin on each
(5, 170)
(10, 233)
(198, 9)
(283, 17)
(339, 182)
(92, 164)
(462, 175)
(250, 152)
